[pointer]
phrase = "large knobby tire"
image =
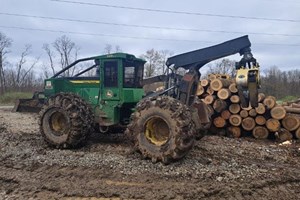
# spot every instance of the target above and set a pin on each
(162, 129)
(65, 120)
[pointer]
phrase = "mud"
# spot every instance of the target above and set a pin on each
(107, 168)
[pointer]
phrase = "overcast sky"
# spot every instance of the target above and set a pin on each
(275, 40)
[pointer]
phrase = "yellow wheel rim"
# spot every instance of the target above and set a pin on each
(157, 131)
(58, 122)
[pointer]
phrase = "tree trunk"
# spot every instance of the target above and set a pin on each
(234, 131)
(235, 120)
(218, 84)
(248, 124)
(292, 110)
(290, 122)
(235, 99)
(224, 93)
(219, 105)
(260, 132)
(278, 112)
(273, 125)
(260, 120)
(234, 108)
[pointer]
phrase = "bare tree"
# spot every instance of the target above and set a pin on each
(153, 62)
(108, 49)
(51, 56)
(164, 55)
(5, 43)
(224, 66)
(67, 53)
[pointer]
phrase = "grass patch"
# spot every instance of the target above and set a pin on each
(10, 97)
(288, 98)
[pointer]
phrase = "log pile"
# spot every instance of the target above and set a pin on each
(268, 120)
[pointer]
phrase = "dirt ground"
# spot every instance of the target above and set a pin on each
(107, 168)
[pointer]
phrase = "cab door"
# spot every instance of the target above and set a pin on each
(111, 80)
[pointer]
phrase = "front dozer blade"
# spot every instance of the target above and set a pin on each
(33, 105)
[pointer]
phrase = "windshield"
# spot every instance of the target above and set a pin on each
(133, 75)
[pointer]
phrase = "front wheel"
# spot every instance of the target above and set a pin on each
(65, 120)
(162, 129)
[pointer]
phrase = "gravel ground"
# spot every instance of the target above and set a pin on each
(107, 168)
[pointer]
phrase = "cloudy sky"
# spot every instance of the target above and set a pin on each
(273, 26)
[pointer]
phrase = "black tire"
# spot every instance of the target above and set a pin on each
(174, 122)
(66, 120)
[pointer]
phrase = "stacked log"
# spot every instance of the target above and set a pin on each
(268, 120)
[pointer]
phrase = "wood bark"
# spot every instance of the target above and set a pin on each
(260, 132)
(292, 110)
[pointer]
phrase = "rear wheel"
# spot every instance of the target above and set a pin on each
(65, 120)
(162, 129)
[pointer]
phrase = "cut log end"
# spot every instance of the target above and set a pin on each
(235, 99)
(235, 120)
(252, 112)
(278, 112)
(225, 114)
(260, 120)
(284, 135)
(270, 102)
(260, 109)
(224, 93)
(273, 125)
(297, 133)
(234, 131)
(291, 123)
(219, 122)
(260, 132)
(244, 113)
(234, 108)
(233, 88)
(248, 124)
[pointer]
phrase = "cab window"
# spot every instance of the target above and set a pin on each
(111, 74)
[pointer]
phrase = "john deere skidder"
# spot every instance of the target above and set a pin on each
(162, 125)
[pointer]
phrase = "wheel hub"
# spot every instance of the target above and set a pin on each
(58, 122)
(157, 131)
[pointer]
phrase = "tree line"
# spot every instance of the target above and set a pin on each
(22, 74)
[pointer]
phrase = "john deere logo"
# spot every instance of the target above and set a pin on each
(109, 93)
